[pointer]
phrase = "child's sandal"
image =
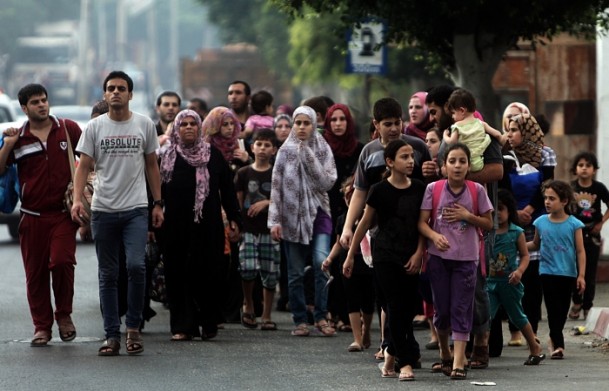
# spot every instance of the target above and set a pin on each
(575, 311)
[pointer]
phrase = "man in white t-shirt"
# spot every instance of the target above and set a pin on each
(121, 146)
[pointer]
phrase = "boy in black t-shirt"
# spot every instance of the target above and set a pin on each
(258, 253)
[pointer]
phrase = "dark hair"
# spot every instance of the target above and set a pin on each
(437, 131)
(200, 102)
(265, 134)
(246, 87)
(455, 147)
(101, 107)
(317, 103)
(506, 198)
(543, 123)
(347, 187)
(163, 94)
(260, 100)
(30, 90)
(564, 191)
(590, 157)
(439, 95)
(461, 98)
(386, 108)
(119, 75)
(329, 101)
(391, 150)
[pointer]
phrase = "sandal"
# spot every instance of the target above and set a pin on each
(301, 330)
(268, 325)
(380, 355)
(446, 367)
(41, 338)
(387, 373)
(458, 374)
(343, 327)
(134, 343)
(558, 354)
(111, 347)
(408, 375)
(575, 311)
(181, 337)
(67, 331)
(355, 347)
(249, 320)
(480, 358)
(535, 360)
(325, 328)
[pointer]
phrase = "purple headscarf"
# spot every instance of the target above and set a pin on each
(196, 155)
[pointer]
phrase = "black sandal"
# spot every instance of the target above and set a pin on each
(535, 360)
(111, 347)
(479, 358)
(134, 343)
(458, 374)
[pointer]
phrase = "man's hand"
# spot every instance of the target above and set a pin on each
(157, 217)
(79, 214)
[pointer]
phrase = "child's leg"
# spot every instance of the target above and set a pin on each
(353, 294)
(510, 297)
(463, 283)
(248, 261)
(269, 257)
(593, 248)
(557, 292)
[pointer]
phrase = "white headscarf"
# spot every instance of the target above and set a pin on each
(303, 173)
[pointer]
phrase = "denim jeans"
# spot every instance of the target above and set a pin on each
(109, 231)
(297, 254)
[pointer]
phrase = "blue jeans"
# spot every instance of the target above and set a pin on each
(109, 231)
(296, 254)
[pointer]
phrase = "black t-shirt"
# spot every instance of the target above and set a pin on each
(588, 201)
(397, 212)
(255, 186)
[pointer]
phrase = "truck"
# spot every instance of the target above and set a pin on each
(50, 57)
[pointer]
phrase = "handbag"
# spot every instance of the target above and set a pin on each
(9, 187)
(526, 181)
(87, 197)
(154, 261)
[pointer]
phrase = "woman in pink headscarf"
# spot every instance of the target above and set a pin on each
(420, 122)
(221, 128)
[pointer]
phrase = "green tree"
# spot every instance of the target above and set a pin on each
(467, 39)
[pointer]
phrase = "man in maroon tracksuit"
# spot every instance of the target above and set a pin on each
(47, 234)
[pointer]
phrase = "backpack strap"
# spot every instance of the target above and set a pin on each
(437, 189)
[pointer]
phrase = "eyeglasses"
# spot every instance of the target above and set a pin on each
(119, 88)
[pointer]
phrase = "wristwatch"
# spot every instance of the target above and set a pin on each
(160, 203)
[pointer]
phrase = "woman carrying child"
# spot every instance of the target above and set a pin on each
(451, 216)
(562, 266)
(397, 254)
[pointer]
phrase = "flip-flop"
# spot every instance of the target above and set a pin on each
(406, 376)
(268, 325)
(387, 373)
(535, 360)
(249, 320)
(355, 347)
(557, 355)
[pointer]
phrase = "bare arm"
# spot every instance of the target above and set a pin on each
(154, 182)
(492, 172)
(581, 261)
(534, 244)
(356, 206)
(362, 227)
(79, 214)
(516, 275)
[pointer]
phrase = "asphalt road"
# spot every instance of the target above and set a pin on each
(243, 359)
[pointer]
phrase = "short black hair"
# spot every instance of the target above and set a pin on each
(119, 75)
(461, 98)
(168, 93)
(265, 134)
(386, 108)
(439, 95)
(260, 100)
(246, 89)
(29, 90)
(202, 104)
(317, 103)
(590, 157)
